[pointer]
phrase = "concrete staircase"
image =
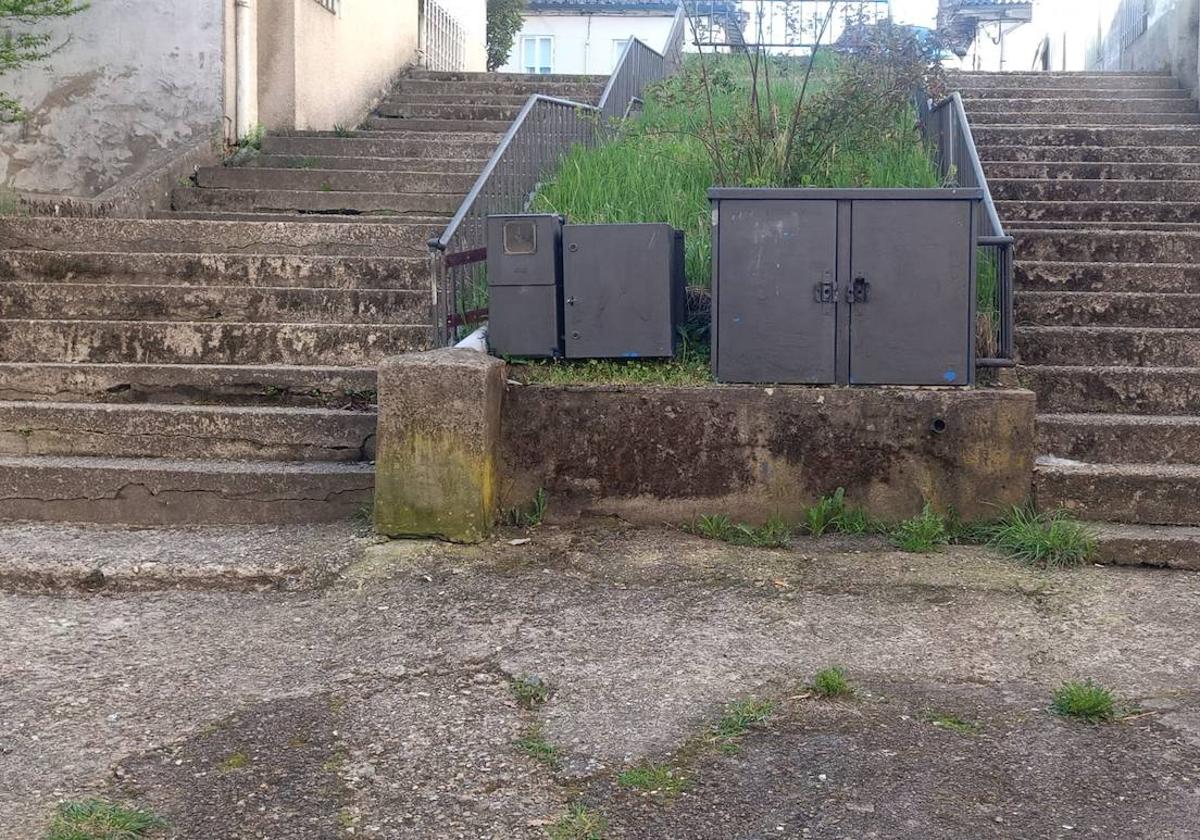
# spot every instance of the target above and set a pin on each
(1097, 175)
(215, 363)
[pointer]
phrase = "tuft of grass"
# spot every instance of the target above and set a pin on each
(342, 131)
(775, 533)
(691, 367)
(532, 514)
(657, 778)
(530, 691)
(1046, 540)
(253, 139)
(741, 716)
(831, 683)
(236, 761)
(579, 823)
(95, 819)
(11, 204)
(534, 744)
(1084, 700)
(954, 724)
(826, 513)
(924, 533)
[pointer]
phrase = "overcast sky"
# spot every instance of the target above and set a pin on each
(921, 12)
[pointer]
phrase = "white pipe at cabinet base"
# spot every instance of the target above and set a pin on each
(476, 340)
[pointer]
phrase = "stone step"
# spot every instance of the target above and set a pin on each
(304, 216)
(490, 77)
(581, 92)
(162, 491)
(441, 111)
(334, 180)
(1081, 135)
(1092, 190)
(433, 124)
(1092, 154)
(1014, 213)
(1028, 81)
(1110, 93)
(186, 431)
(473, 146)
(238, 384)
(1026, 105)
(1078, 225)
(300, 201)
(1084, 118)
(400, 97)
(246, 270)
(1087, 171)
(185, 236)
(1172, 547)
(214, 304)
(1140, 494)
(1120, 438)
(1033, 275)
(1127, 390)
(465, 166)
(1126, 346)
(198, 343)
(1108, 309)
(1114, 246)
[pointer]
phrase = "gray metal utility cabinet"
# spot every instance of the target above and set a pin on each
(525, 284)
(847, 286)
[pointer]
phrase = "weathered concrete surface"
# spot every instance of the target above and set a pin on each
(380, 703)
(438, 444)
(653, 454)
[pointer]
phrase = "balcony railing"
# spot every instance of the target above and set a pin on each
(331, 6)
(443, 40)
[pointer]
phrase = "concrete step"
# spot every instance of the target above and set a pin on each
(581, 92)
(215, 304)
(1120, 438)
(300, 201)
(491, 78)
(161, 491)
(1078, 225)
(1029, 81)
(464, 166)
(1113, 246)
(1083, 118)
(1169, 547)
(304, 216)
(245, 270)
(1092, 154)
(1033, 276)
(1091, 190)
(499, 96)
(1125, 346)
(1086, 171)
(1114, 210)
(334, 180)
(435, 124)
(1076, 93)
(238, 384)
(1127, 390)
(1022, 106)
(186, 431)
(473, 145)
(1140, 494)
(1108, 309)
(1121, 134)
(441, 111)
(215, 237)
(198, 343)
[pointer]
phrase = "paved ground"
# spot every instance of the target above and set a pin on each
(362, 689)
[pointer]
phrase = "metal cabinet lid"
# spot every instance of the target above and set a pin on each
(848, 194)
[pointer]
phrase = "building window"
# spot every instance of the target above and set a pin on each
(537, 53)
(618, 48)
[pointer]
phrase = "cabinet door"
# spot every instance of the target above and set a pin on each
(773, 323)
(916, 259)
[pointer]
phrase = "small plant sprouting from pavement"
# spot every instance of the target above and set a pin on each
(831, 683)
(952, 723)
(924, 533)
(95, 819)
(579, 823)
(1046, 540)
(1084, 700)
(534, 744)
(236, 761)
(654, 778)
(253, 138)
(738, 719)
(532, 514)
(341, 130)
(530, 691)
(775, 533)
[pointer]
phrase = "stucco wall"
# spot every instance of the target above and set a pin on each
(136, 83)
(584, 43)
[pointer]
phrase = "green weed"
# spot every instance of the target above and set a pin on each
(531, 515)
(1046, 540)
(579, 823)
(1085, 701)
(235, 761)
(691, 367)
(924, 533)
(653, 777)
(741, 716)
(253, 139)
(534, 744)
(952, 723)
(342, 131)
(95, 819)
(831, 683)
(530, 691)
(775, 533)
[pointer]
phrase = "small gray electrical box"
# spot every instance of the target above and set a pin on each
(525, 284)
(623, 290)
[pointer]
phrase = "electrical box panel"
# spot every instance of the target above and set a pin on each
(623, 290)
(856, 286)
(525, 284)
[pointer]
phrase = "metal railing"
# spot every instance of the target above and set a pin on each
(331, 6)
(781, 25)
(945, 125)
(544, 131)
(442, 39)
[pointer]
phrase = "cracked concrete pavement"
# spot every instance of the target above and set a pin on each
(364, 692)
